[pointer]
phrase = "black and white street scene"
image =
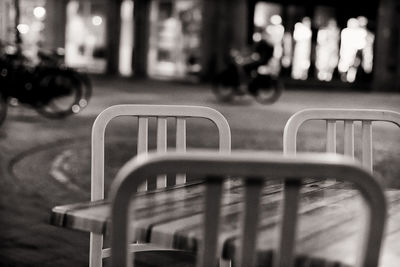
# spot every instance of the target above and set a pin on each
(154, 133)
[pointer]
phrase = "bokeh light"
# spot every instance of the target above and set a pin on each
(276, 19)
(39, 12)
(23, 28)
(97, 20)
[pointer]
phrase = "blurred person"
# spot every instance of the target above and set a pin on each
(327, 51)
(275, 31)
(353, 39)
(260, 54)
(302, 49)
(287, 44)
(367, 53)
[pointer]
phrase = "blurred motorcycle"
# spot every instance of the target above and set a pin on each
(248, 75)
(51, 88)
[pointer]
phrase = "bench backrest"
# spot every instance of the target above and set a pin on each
(255, 168)
(332, 116)
(143, 113)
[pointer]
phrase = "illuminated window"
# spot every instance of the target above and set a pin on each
(327, 50)
(302, 49)
(175, 38)
(126, 38)
(330, 51)
(85, 36)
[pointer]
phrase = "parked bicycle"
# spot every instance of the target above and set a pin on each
(51, 88)
(249, 75)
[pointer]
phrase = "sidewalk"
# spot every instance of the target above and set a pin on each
(44, 162)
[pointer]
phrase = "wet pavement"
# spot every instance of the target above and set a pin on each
(45, 162)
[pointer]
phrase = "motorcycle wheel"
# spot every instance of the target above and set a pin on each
(224, 85)
(267, 92)
(63, 104)
(3, 109)
(86, 88)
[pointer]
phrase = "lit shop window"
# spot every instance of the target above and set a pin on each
(85, 36)
(126, 38)
(175, 38)
(327, 50)
(302, 49)
(333, 53)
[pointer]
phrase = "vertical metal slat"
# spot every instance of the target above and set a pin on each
(250, 223)
(161, 147)
(142, 142)
(331, 136)
(285, 257)
(367, 145)
(349, 138)
(207, 254)
(181, 144)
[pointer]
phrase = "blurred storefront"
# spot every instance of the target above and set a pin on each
(317, 41)
(29, 22)
(340, 43)
(75, 28)
(183, 39)
(85, 35)
(7, 23)
(312, 42)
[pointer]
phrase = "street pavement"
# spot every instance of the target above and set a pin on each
(46, 162)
